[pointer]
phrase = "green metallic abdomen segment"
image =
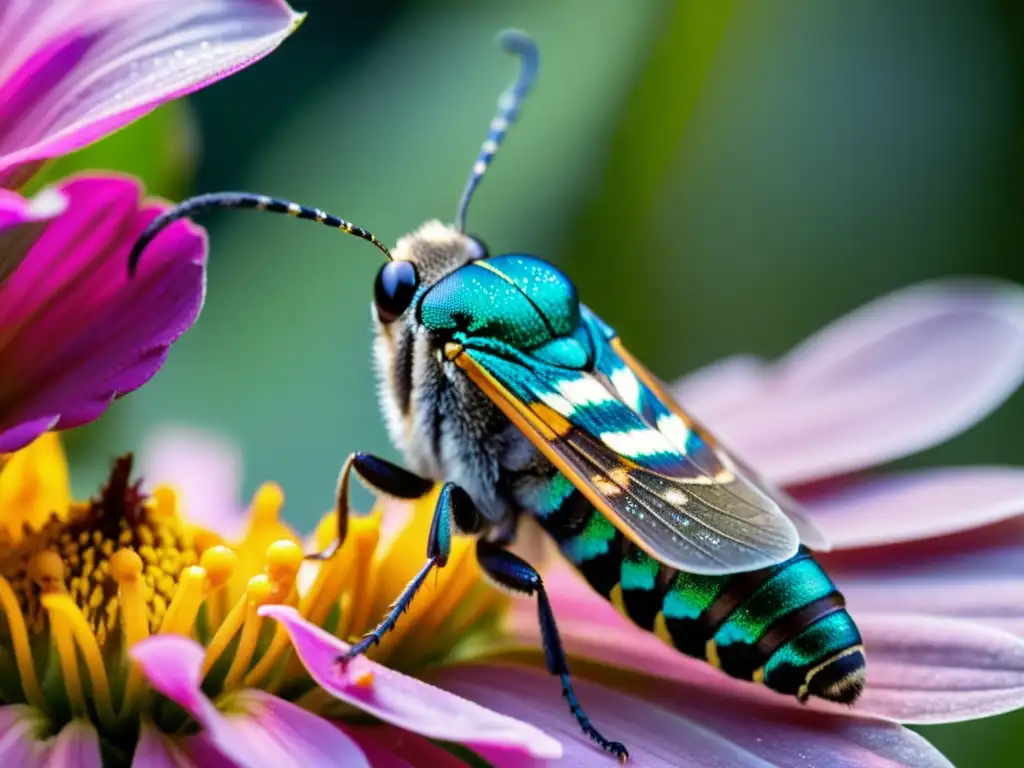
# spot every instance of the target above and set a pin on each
(785, 626)
(519, 300)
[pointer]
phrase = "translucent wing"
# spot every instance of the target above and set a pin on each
(684, 503)
(648, 397)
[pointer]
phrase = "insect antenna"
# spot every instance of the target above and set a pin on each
(213, 201)
(509, 103)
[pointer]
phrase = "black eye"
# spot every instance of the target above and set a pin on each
(396, 285)
(483, 252)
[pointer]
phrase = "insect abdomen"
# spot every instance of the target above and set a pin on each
(784, 626)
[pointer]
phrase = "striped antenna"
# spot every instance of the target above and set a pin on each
(521, 44)
(203, 203)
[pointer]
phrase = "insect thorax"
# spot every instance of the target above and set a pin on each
(444, 426)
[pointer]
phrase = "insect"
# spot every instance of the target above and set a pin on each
(496, 381)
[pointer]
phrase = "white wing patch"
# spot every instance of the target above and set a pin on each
(584, 391)
(636, 442)
(626, 384)
(675, 430)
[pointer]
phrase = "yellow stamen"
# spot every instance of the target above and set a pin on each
(22, 650)
(126, 570)
(68, 622)
(219, 562)
(265, 527)
(257, 593)
(33, 486)
(284, 559)
(188, 599)
(348, 571)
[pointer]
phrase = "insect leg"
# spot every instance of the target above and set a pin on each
(379, 475)
(516, 574)
(453, 506)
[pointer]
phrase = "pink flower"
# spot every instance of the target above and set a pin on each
(876, 385)
(74, 334)
(73, 71)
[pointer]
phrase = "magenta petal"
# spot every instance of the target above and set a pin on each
(923, 669)
(74, 72)
(881, 383)
(389, 747)
(260, 729)
(21, 435)
(406, 702)
(75, 332)
(907, 506)
(15, 209)
(672, 725)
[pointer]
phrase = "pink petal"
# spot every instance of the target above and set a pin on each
(22, 222)
(977, 576)
(409, 703)
(907, 506)
(21, 730)
(671, 725)
(885, 381)
(158, 750)
(923, 669)
(24, 433)
(260, 730)
(15, 209)
(75, 71)
(388, 747)
(78, 745)
(205, 470)
(74, 330)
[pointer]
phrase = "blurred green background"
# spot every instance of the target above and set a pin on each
(779, 164)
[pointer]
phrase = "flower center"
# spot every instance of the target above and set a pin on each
(120, 517)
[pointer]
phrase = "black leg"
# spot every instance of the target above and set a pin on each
(516, 574)
(378, 475)
(453, 504)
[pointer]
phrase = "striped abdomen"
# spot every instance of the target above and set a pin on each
(784, 626)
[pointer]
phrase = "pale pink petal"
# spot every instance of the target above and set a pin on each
(409, 703)
(159, 750)
(907, 506)
(977, 576)
(714, 390)
(673, 725)
(903, 373)
(259, 729)
(204, 468)
(77, 745)
(923, 669)
(76, 71)
(21, 731)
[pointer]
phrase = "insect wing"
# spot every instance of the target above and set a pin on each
(660, 498)
(648, 398)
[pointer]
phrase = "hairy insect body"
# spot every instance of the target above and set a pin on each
(784, 625)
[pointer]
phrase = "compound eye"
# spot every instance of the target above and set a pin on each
(396, 285)
(481, 247)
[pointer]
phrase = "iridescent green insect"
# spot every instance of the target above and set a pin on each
(498, 382)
